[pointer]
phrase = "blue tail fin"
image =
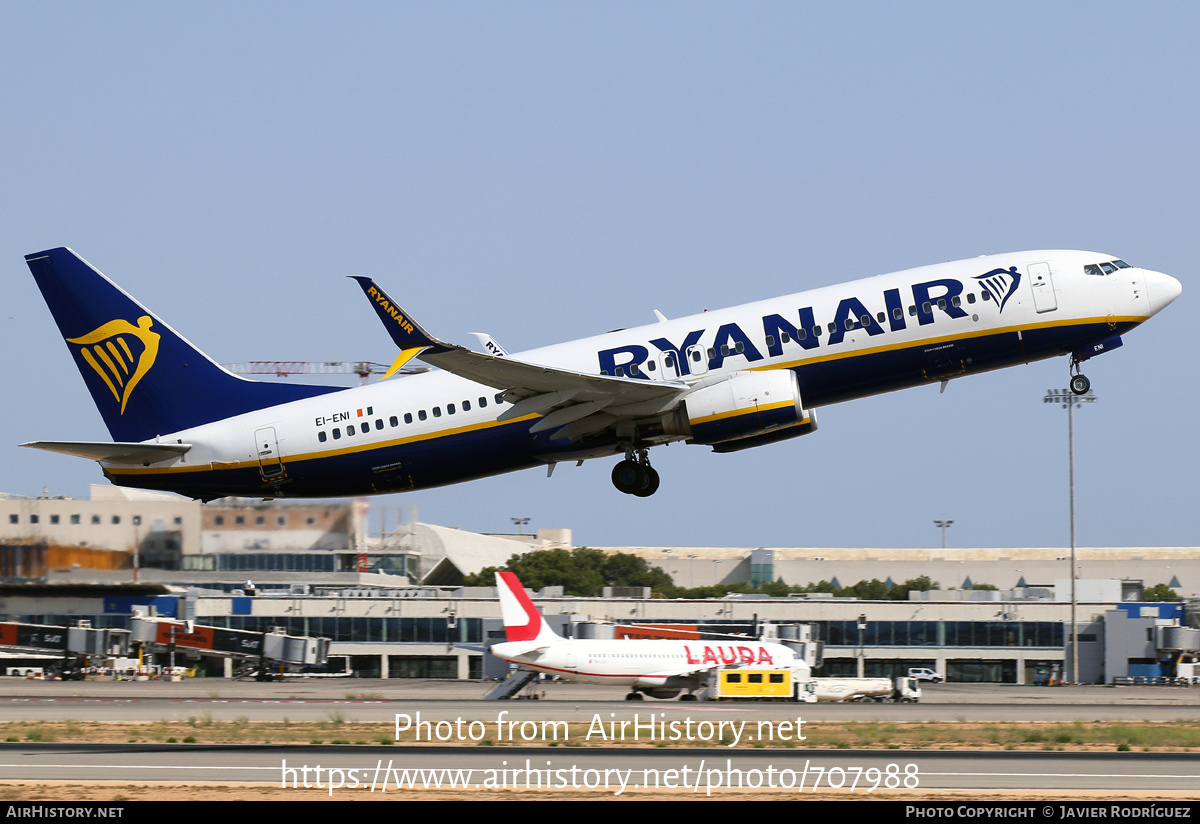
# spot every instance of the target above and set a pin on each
(145, 378)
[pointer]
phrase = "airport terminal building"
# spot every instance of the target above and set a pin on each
(392, 604)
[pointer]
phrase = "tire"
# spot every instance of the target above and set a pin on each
(1080, 384)
(651, 484)
(628, 477)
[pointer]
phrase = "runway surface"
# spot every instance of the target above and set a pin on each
(708, 771)
(378, 701)
(680, 744)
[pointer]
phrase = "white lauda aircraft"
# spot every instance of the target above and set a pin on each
(730, 379)
(660, 668)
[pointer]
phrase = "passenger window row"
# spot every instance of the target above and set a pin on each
(422, 415)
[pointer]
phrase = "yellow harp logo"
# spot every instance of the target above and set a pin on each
(107, 351)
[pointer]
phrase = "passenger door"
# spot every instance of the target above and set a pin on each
(1040, 281)
(270, 459)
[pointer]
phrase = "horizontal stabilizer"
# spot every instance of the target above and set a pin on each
(133, 453)
(515, 650)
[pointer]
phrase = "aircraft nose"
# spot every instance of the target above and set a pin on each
(1161, 290)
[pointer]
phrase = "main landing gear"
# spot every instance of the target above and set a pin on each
(1079, 382)
(662, 693)
(634, 475)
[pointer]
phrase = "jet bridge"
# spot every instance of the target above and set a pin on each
(76, 645)
(254, 649)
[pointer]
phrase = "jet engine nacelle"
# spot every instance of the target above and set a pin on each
(749, 405)
(663, 693)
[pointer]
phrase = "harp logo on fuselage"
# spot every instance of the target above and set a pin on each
(1001, 282)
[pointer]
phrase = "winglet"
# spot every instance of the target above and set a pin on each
(406, 332)
(401, 359)
(489, 344)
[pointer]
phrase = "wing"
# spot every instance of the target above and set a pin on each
(573, 404)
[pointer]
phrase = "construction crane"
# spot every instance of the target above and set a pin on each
(281, 369)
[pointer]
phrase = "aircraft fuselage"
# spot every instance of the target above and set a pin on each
(842, 342)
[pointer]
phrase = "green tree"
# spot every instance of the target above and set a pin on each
(899, 592)
(1160, 592)
(621, 569)
(581, 571)
(777, 589)
(872, 590)
(819, 586)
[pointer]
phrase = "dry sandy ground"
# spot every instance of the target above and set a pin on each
(66, 791)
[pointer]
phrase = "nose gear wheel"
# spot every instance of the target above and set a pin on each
(1079, 382)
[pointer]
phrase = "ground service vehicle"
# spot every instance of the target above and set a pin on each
(760, 685)
(900, 689)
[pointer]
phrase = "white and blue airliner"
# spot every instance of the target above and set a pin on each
(730, 379)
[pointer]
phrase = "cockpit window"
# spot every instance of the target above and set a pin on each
(1106, 268)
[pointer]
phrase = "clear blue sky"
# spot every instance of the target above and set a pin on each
(543, 171)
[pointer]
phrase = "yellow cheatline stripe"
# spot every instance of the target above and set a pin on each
(912, 344)
(746, 410)
(312, 456)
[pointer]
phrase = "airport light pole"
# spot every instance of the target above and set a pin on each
(943, 526)
(862, 653)
(1069, 401)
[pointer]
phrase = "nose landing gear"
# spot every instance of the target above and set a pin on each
(1079, 382)
(634, 475)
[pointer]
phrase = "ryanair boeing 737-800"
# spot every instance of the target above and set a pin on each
(730, 379)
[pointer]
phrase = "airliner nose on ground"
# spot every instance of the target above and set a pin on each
(1161, 289)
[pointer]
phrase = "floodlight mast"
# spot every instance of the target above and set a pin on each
(1069, 401)
(943, 526)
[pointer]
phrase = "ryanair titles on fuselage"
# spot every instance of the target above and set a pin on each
(851, 314)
